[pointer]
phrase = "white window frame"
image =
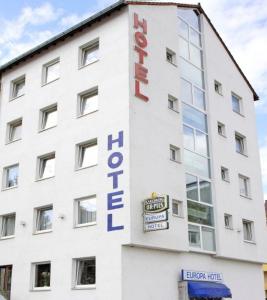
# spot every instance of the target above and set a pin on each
(37, 211)
(10, 127)
(246, 181)
(218, 90)
(175, 151)
(230, 220)
(82, 49)
(89, 93)
(34, 273)
(75, 271)
(240, 112)
(79, 147)
(5, 172)
(43, 112)
(40, 162)
(76, 212)
(175, 103)
(3, 223)
(180, 208)
(223, 131)
(172, 55)
(252, 240)
(45, 71)
(226, 173)
(243, 142)
(13, 85)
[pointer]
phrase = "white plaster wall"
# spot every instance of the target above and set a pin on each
(110, 73)
(155, 274)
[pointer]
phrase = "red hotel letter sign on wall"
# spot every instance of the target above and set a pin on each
(140, 71)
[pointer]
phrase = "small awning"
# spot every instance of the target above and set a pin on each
(206, 289)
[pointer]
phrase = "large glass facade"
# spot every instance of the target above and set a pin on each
(201, 232)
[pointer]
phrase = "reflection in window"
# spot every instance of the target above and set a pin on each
(11, 176)
(208, 239)
(44, 218)
(194, 118)
(194, 236)
(192, 187)
(86, 211)
(196, 164)
(190, 16)
(200, 213)
(192, 73)
(85, 272)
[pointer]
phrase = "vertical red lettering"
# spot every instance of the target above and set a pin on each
(138, 23)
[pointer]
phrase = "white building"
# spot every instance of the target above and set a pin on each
(141, 98)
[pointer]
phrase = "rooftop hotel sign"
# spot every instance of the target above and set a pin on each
(140, 45)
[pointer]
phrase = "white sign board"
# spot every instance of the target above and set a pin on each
(150, 218)
(156, 226)
(201, 276)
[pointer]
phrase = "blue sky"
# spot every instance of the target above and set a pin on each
(241, 23)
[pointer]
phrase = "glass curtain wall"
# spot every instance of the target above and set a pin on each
(195, 130)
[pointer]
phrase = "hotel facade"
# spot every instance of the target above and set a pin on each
(130, 164)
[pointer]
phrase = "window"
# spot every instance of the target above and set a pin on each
(192, 73)
(221, 129)
(194, 118)
(46, 166)
(236, 104)
(85, 211)
(172, 103)
(196, 164)
(44, 218)
(191, 94)
(89, 53)
(51, 71)
(17, 87)
(8, 225)
(248, 230)
(48, 117)
(87, 154)
(244, 186)
(177, 208)
(194, 236)
(14, 130)
(88, 102)
(218, 87)
(198, 189)
(240, 143)
(5, 281)
(41, 275)
(11, 175)
(171, 56)
(225, 174)
(85, 273)
(175, 154)
(228, 221)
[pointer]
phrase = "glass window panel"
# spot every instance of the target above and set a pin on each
(191, 187)
(200, 213)
(184, 48)
(18, 88)
(87, 211)
(86, 272)
(208, 239)
(15, 132)
(194, 236)
(189, 142)
(190, 16)
(195, 37)
(89, 103)
(196, 164)
(199, 98)
(50, 118)
(194, 118)
(183, 29)
(42, 275)
(52, 72)
(236, 104)
(186, 91)
(44, 219)
(247, 230)
(196, 56)
(243, 183)
(8, 225)
(192, 73)
(90, 54)
(88, 155)
(239, 144)
(201, 143)
(205, 191)
(48, 167)
(12, 174)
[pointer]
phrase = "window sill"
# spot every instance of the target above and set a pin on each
(89, 64)
(218, 93)
(85, 225)
(239, 113)
(87, 167)
(176, 161)
(250, 242)
(46, 83)
(226, 180)
(14, 98)
(46, 178)
(45, 129)
(175, 110)
(9, 188)
(41, 289)
(229, 228)
(11, 142)
(246, 197)
(173, 64)
(222, 135)
(84, 287)
(2, 238)
(42, 232)
(89, 113)
(199, 250)
(243, 154)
